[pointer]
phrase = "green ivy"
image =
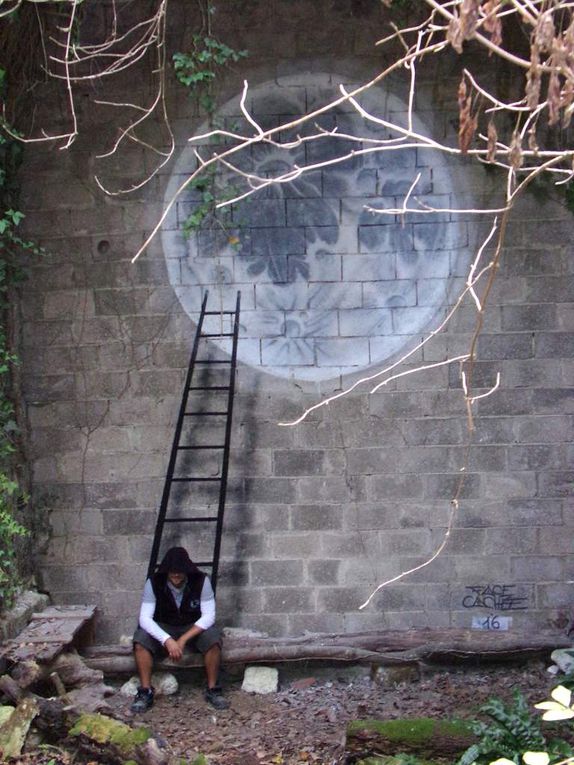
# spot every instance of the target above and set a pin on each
(11, 245)
(197, 70)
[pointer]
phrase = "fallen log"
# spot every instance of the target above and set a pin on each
(424, 737)
(51, 715)
(14, 731)
(387, 648)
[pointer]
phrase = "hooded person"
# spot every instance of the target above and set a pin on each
(177, 613)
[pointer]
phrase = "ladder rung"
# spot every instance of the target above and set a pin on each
(203, 480)
(213, 361)
(219, 313)
(208, 387)
(201, 414)
(204, 563)
(207, 446)
(217, 334)
(203, 519)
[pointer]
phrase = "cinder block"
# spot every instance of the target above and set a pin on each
(497, 485)
(316, 517)
(554, 541)
(127, 521)
(395, 487)
(447, 486)
(299, 624)
(529, 317)
(507, 402)
(548, 345)
(551, 400)
(299, 462)
(293, 545)
(487, 458)
(323, 572)
(433, 431)
(556, 483)
(406, 542)
(528, 512)
(537, 568)
(511, 541)
(276, 573)
(482, 569)
(545, 429)
(461, 541)
(537, 457)
(266, 490)
(551, 289)
(532, 373)
(516, 345)
(373, 461)
(553, 594)
(340, 600)
(345, 545)
(289, 600)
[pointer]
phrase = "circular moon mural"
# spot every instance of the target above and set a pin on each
(327, 287)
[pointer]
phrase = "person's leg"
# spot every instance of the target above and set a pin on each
(144, 664)
(145, 647)
(209, 644)
(212, 660)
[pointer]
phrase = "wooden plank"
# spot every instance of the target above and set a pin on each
(48, 633)
(66, 612)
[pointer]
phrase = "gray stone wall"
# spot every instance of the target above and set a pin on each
(320, 513)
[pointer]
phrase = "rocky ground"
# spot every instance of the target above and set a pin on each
(304, 722)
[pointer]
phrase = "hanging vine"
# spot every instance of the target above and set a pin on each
(12, 498)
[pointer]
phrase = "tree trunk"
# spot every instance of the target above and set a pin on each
(384, 647)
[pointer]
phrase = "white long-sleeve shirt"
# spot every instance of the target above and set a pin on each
(147, 609)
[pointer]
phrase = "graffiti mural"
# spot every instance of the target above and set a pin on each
(327, 287)
(496, 597)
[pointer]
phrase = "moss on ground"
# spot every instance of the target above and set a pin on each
(105, 730)
(412, 731)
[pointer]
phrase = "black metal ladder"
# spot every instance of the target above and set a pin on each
(222, 446)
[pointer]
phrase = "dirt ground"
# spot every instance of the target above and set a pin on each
(304, 722)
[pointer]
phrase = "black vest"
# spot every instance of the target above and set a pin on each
(166, 609)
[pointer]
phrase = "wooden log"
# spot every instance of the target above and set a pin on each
(51, 717)
(424, 737)
(387, 648)
(14, 731)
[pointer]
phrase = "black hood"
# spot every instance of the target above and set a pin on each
(176, 560)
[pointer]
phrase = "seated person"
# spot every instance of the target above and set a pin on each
(177, 612)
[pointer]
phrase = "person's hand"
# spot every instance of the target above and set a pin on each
(174, 649)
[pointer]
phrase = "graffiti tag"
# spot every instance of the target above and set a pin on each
(496, 597)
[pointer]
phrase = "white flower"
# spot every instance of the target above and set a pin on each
(560, 708)
(536, 758)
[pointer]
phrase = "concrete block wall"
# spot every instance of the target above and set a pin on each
(320, 513)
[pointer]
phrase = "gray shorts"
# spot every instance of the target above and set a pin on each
(200, 644)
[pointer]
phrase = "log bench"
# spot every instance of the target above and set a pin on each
(382, 647)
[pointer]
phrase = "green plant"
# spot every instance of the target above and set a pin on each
(197, 70)
(11, 245)
(204, 209)
(511, 731)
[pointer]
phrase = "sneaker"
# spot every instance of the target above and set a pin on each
(214, 697)
(143, 700)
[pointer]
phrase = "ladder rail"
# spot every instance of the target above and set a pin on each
(226, 449)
